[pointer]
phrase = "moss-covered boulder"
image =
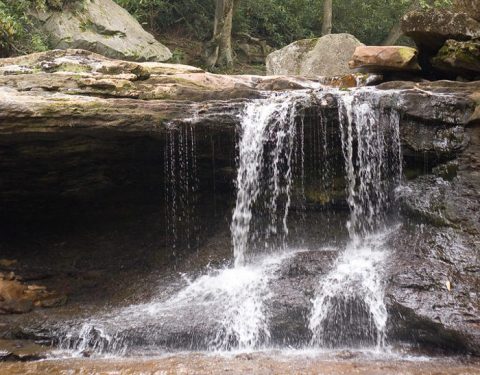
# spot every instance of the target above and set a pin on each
(103, 27)
(462, 58)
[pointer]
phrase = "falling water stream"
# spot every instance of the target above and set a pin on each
(349, 307)
(227, 308)
(271, 120)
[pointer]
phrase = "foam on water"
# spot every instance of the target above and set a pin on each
(229, 303)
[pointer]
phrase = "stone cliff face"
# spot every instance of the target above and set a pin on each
(81, 135)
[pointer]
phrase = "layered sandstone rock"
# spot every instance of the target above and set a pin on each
(385, 58)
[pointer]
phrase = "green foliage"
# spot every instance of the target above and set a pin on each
(161, 15)
(178, 56)
(370, 21)
(18, 34)
(278, 21)
(435, 3)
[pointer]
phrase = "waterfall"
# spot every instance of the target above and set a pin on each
(265, 122)
(227, 308)
(349, 307)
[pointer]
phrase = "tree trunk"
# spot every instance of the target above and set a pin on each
(394, 35)
(396, 31)
(219, 48)
(327, 17)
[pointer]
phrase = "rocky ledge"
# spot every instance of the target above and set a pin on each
(44, 89)
(61, 108)
(68, 89)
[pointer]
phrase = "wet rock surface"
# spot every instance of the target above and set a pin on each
(17, 297)
(22, 351)
(433, 288)
(436, 266)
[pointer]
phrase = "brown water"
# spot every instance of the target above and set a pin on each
(257, 364)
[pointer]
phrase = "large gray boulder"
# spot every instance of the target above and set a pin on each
(103, 27)
(325, 56)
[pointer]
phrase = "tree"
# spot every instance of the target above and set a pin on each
(219, 49)
(396, 31)
(327, 17)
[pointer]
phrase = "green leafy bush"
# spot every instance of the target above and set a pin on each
(18, 34)
(159, 16)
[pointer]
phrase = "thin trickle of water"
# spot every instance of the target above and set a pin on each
(349, 307)
(181, 186)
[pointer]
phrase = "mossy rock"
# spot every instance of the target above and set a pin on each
(458, 57)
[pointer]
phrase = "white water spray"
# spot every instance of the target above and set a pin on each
(226, 309)
(349, 307)
(264, 121)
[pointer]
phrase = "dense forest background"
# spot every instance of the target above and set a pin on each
(278, 22)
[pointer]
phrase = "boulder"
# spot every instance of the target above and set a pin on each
(18, 298)
(458, 57)
(431, 28)
(12, 298)
(385, 58)
(325, 56)
(470, 7)
(104, 27)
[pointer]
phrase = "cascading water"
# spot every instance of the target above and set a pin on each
(349, 307)
(264, 122)
(228, 308)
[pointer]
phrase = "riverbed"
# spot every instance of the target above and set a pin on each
(258, 363)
